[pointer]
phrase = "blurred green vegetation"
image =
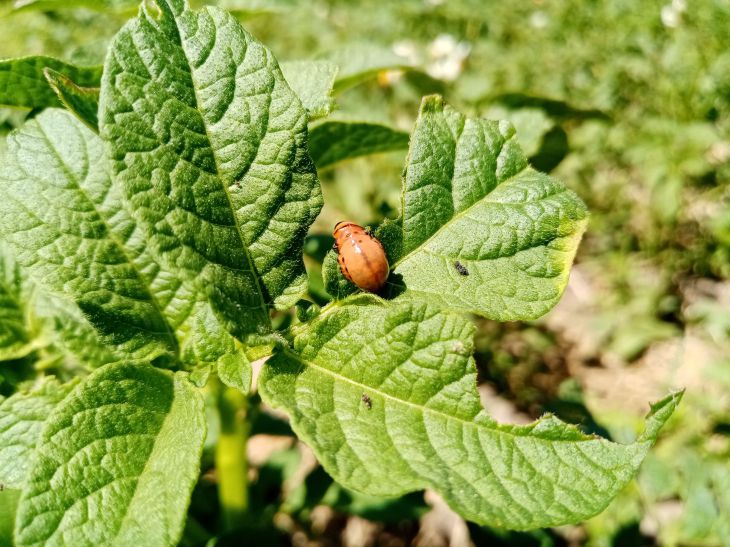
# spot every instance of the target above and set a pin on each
(628, 103)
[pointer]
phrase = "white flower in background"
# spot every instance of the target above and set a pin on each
(671, 13)
(408, 50)
(719, 153)
(539, 19)
(443, 58)
(446, 57)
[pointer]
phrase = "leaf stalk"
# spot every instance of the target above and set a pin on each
(230, 456)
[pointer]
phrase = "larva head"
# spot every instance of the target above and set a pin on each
(342, 225)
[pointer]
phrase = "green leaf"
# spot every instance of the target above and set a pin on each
(116, 462)
(121, 301)
(82, 101)
(361, 62)
(66, 336)
(22, 83)
(385, 394)
(22, 416)
(209, 145)
(206, 344)
(31, 319)
(15, 340)
(57, 210)
(235, 371)
(335, 141)
(469, 196)
(313, 82)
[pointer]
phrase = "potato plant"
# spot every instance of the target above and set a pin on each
(152, 234)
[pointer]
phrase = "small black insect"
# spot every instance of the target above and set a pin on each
(368, 402)
(2, 486)
(461, 268)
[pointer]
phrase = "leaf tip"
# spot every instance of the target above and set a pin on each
(431, 103)
(660, 412)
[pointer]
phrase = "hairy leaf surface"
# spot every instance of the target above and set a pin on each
(21, 418)
(385, 394)
(58, 169)
(56, 213)
(209, 144)
(335, 141)
(470, 196)
(116, 461)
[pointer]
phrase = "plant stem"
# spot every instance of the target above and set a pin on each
(230, 456)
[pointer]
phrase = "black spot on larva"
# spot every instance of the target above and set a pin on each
(368, 402)
(461, 268)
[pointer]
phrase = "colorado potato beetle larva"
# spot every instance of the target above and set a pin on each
(361, 257)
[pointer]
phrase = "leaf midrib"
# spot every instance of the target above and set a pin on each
(463, 213)
(148, 459)
(454, 217)
(425, 409)
(237, 224)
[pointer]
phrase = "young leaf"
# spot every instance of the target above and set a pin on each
(23, 84)
(480, 230)
(21, 418)
(116, 461)
(335, 141)
(56, 210)
(206, 344)
(209, 144)
(313, 82)
(82, 101)
(385, 394)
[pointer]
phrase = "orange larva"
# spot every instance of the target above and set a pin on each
(361, 258)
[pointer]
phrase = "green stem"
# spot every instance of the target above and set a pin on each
(230, 456)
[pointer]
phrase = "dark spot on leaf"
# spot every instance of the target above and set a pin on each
(461, 268)
(368, 402)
